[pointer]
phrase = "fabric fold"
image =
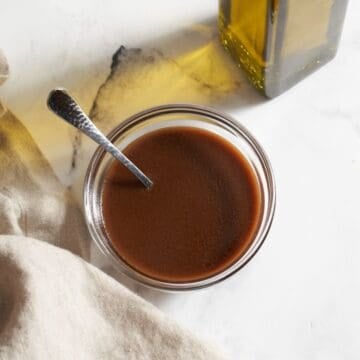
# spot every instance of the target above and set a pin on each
(53, 304)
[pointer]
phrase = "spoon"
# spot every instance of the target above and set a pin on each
(63, 105)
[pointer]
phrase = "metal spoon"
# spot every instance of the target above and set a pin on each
(63, 105)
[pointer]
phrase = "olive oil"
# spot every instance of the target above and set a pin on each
(280, 42)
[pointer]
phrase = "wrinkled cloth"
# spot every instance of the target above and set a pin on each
(53, 304)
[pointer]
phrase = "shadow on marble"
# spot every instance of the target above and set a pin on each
(189, 66)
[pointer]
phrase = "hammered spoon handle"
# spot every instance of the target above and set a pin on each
(63, 105)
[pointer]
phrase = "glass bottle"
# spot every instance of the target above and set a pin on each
(280, 42)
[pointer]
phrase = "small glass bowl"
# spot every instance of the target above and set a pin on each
(177, 116)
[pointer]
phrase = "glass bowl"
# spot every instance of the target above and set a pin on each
(175, 116)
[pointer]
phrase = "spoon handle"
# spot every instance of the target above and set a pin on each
(63, 105)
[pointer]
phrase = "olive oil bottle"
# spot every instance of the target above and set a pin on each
(280, 42)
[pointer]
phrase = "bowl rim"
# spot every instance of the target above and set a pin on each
(203, 111)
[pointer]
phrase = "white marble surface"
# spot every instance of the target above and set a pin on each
(299, 298)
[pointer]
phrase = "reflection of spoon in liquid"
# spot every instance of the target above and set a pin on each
(63, 105)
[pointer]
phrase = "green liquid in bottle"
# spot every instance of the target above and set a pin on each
(280, 42)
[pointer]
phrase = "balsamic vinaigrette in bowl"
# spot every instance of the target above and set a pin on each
(201, 215)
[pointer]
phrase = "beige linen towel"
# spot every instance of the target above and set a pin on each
(54, 305)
